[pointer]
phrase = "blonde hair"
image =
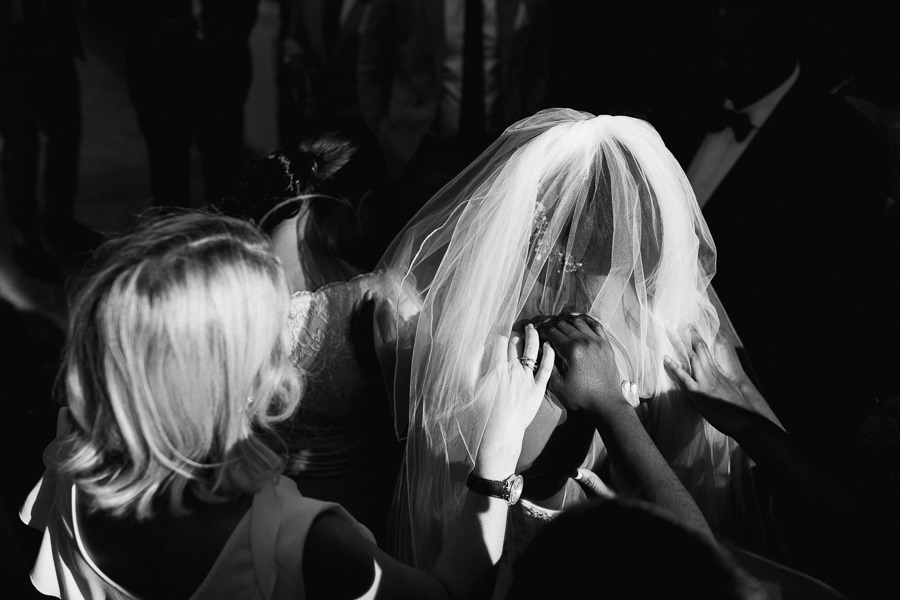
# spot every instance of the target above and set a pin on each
(176, 361)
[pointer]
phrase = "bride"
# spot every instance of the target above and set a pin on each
(565, 212)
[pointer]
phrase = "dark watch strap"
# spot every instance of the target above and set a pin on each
(508, 489)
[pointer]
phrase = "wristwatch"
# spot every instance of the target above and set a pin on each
(509, 489)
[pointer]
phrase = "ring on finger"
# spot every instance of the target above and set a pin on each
(529, 363)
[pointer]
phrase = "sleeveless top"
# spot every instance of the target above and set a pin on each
(261, 560)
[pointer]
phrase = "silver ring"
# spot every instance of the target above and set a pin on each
(528, 363)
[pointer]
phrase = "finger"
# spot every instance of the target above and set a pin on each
(514, 350)
(557, 339)
(567, 329)
(592, 485)
(531, 342)
(629, 391)
(386, 315)
(578, 322)
(701, 349)
(542, 377)
(543, 321)
(680, 373)
(500, 349)
(594, 325)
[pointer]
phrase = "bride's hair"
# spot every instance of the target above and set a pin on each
(566, 211)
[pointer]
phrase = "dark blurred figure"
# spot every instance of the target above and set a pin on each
(639, 73)
(32, 348)
(223, 77)
(439, 80)
(160, 51)
(40, 127)
(624, 548)
(189, 70)
(317, 67)
(794, 194)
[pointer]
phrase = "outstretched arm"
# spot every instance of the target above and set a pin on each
(747, 418)
(586, 379)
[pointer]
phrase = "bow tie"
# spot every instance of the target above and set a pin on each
(739, 123)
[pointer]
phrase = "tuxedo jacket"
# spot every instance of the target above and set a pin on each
(795, 222)
(400, 58)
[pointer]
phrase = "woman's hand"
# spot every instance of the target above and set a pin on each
(517, 385)
(726, 357)
(709, 386)
(712, 393)
(586, 377)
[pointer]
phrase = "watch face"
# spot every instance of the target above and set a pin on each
(515, 490)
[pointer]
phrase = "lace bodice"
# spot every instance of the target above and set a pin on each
(333, 423)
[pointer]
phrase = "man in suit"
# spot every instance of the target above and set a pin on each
(794, 195)
(40, 135)
(317, 78)
(436, 96)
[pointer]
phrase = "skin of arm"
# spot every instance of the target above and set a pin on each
(725, 356)
(722, 402)
(586, 379)
(340, 563)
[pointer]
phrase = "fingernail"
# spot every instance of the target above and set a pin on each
(667, 359)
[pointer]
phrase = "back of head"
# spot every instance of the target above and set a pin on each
(319, 187)
(620, 549)
(175, 356)
(337, 167)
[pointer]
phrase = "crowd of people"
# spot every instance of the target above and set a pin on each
(486, 324)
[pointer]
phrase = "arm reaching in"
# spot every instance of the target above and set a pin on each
(721, 402)
(586, 379)
(725, 356)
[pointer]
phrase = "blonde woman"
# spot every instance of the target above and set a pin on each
(164, 480)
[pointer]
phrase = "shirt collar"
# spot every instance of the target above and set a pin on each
(760, 110)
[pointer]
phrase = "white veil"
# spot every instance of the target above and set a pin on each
(566, 211)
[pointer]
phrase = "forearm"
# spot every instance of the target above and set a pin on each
(641, 469)
(776, 453)
(758, 402)
(466, 566)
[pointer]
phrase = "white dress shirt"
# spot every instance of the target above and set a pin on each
(719, 150)
(452, 67)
